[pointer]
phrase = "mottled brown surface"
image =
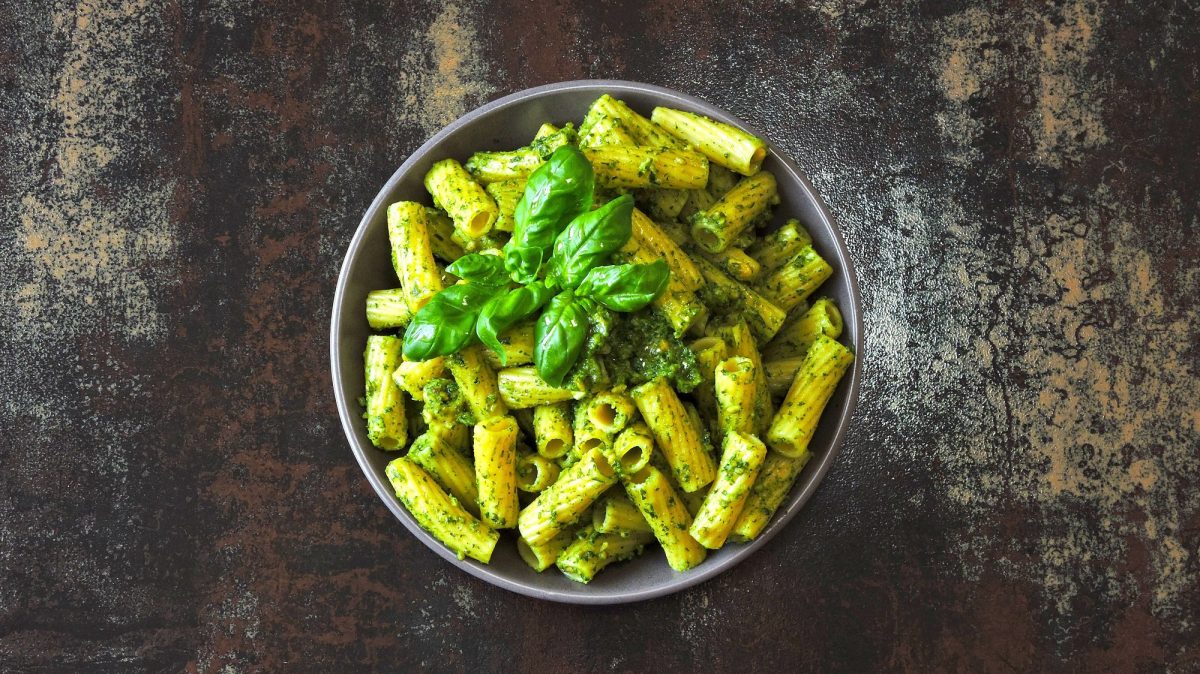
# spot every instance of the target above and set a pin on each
(1017, 183)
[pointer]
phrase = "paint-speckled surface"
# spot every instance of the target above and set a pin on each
(1017, 183)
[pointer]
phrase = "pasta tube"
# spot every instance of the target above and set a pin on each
(740, 342)
(724, 144)
(719, 226)
(412, 256)
(667, 516)
(517, 343)
(387, 426)
(710, 351)
(736, 391)
(633, 166)
(741, 460)
(611, 411)
(736, 263)
(412, 375)
(566, 501)
(477, 382)
(591, 551)
(793, 427)
(683, 310)
(631, 451)
(506, 194)
(552, 429)
(775, 480)
(654, 240)
(640, 129)
(535, 473)
(521, 387)
(792, 283)
(763, 317)
(447, 467)
(780, 374)
(494, 167)
(664, 204)
(543, 555)
(457, 193)
(387, 309)
(617, 513)
(679, 442)
(822, 318)
(496, 471)
(439, 514)
(720, 181)
(588, 436)
(781, 245)
(441, 235)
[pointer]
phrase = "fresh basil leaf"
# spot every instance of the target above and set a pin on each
(591, 238)
(506, 310)
(558, 337)
(555, 194)
(523, 262)
(479, 268)
(625, 287)
(445, 324)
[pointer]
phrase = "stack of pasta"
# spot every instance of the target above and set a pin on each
(590, 477)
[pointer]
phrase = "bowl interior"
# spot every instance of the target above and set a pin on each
(510, 123)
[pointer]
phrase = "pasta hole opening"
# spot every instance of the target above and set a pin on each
(730, 366)
(760, 154)
(835, 317)
(632, 459)
(389, 442)
(603, 466)
(640, 476)
(590, 444)
(554, 448)
(707, 240)
(604, 416)
(477, 226)
(599, 516)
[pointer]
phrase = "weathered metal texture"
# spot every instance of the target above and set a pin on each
(1017, 182)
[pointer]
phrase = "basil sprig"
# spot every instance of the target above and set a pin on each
(557, 260)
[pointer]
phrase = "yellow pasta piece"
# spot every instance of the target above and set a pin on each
(441, 235)
(664, 204)
(496, 471)
(552, 429)
(543, 555)
(763, 317)
(412, 376)
(587, 435)
(506, 194)
(591, 551)
(780, 374)
(673, 431)
(723, 143)
(388, 309)
(457, 193)
(566, 501)
(517, 343)
(535, 473)
(822, 318)
(616, 513)
(736, 391)
(793, 427)
(741, 459)
(412, 255)
(641, 130)
(387, 425)
(710, 351)
(631, 450)
(739, 341)
(521, 387)
(659, 245)
(719, 226)
(634, 166)
(775, 480)
(611, 411)
(683, 310)
(776, 248)
(439, 514)
(494, 167)
(792, 283)
(667, 516)
(447, 467)
(477, 382)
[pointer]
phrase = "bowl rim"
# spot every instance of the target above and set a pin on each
(704, 571)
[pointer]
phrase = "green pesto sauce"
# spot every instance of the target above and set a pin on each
(632, 349)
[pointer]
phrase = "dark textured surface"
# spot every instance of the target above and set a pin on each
(1017, 183)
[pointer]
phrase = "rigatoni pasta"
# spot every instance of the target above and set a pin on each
(533, 348)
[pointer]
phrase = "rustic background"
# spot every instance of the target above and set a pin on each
(1017, 182)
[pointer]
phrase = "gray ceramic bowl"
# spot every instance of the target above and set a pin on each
(509, 123)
